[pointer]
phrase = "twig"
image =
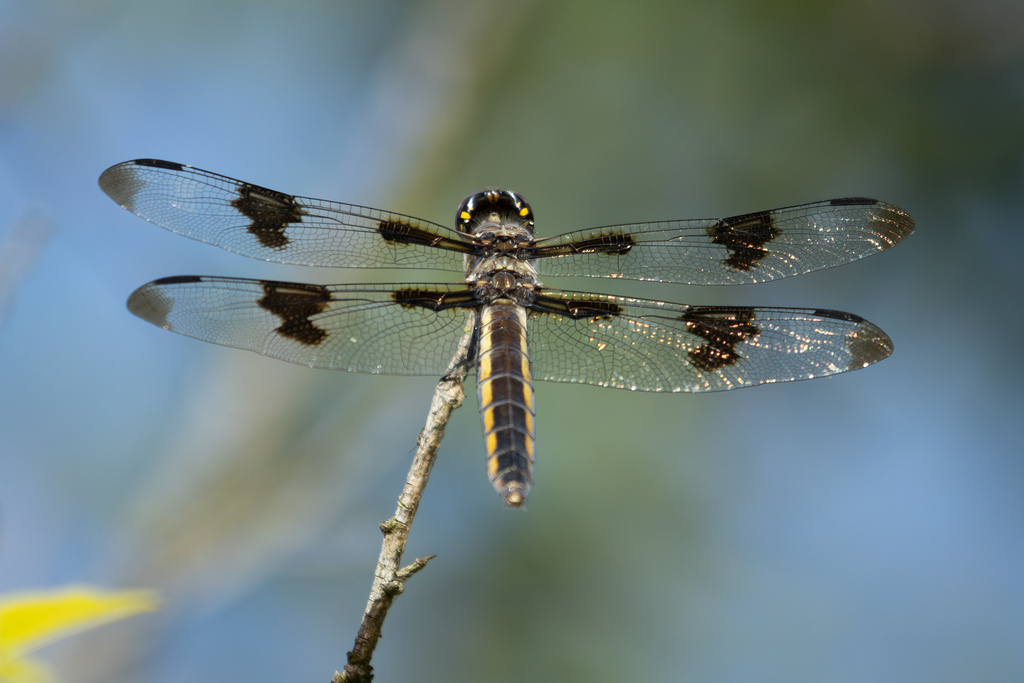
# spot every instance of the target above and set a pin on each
(389, 579)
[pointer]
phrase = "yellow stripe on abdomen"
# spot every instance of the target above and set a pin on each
(506, 400)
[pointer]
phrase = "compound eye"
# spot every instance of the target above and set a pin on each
(464, 216)
(492, 205)
(522, 206)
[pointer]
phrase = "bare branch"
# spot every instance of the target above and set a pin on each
(389, 579)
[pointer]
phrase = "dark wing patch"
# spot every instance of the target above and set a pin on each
(269, 212)
(339, 327)
(664, 347)
(745, 237)
(295, 305)
(723, 330)
(265, 224)
(754, 247)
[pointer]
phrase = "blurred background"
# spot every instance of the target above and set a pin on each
(863, 528)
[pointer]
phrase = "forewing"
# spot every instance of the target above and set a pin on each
(273, 226)
(754, 247)
(381, 329)
(657, 346)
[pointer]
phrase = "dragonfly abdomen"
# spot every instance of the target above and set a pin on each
(505, 390)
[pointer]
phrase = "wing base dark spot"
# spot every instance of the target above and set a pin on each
(575, 309)
(402, 233)
(435, 300)
(399, 233)
(613, 244)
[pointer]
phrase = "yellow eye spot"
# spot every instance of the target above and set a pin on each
(525, 211)
(465, 215)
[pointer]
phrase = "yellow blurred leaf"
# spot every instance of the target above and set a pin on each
(25, 671)
(30, 620)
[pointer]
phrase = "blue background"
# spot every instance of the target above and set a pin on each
(863, 528)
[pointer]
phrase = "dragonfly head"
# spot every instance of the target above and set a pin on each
(492, 210)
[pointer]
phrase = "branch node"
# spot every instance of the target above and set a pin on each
(404, 573)
(389, 525)
(393, 588)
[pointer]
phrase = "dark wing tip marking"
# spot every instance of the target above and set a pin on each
(869, 348)
(156, 163)
(295, 304)
(853, 201)
(722, 329)
(745, 236)
(892, 223)
(121, 183)
(149, 302)
(270, 213)
(839, 315)
(888, 221)
(865, 342)
(177, 280)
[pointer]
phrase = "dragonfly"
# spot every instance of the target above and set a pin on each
(522, 330)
